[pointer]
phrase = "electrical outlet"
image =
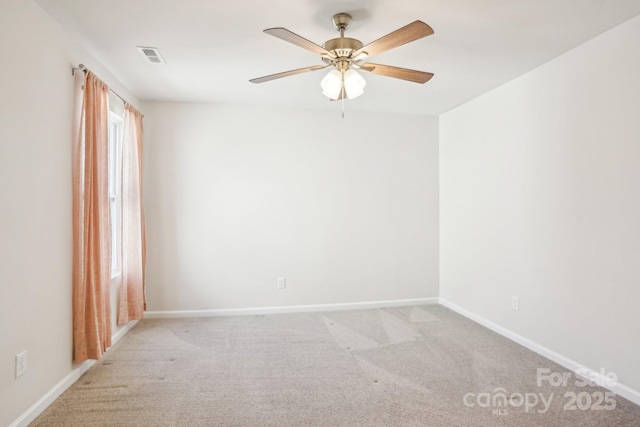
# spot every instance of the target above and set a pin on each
(282, 282)
(515, 303)
(21, 363)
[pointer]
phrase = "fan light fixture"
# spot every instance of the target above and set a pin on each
(335, 85)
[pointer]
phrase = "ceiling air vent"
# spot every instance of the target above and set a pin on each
(152, 54)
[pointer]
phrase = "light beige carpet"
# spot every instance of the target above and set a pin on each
(413, 366)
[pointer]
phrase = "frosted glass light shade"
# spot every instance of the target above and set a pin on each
(332, 84)
(354, 84)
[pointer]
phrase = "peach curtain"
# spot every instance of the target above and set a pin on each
(132, 297)
(91, 226)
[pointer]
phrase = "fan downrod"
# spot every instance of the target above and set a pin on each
(341, 47)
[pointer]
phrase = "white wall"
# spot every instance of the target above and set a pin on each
(345, 209)
(540, 198)
(36, 97)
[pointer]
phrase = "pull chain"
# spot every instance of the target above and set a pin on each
(343, 95)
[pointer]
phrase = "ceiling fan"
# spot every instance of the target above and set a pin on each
(346, 55)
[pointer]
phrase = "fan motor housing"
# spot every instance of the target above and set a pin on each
(342, 46)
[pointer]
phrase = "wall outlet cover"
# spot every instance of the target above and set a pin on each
(21, 363)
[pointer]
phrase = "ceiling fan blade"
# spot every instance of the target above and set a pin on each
(397, 72)
(414, 31)
(286, 74)
(288, 36)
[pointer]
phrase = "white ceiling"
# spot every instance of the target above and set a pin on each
(213, 47)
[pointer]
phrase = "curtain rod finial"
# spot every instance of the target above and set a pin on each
(80, 67)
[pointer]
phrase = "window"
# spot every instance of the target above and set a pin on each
(115, 191)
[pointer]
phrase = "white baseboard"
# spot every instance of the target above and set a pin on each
(122, 332)
(288, 309)
(594, 376)
(37, 408)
